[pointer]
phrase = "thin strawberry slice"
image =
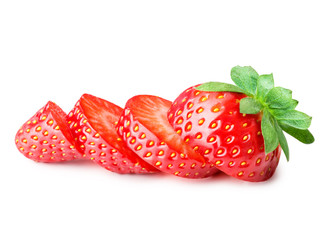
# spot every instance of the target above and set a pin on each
(93, 122)
(146, 130)
(46, 137)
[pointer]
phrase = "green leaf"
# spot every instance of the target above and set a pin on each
(246, 78)
(279, 97)
(219, 87)
(282, 140)
(250, 105)
(292, 118)
(302, 135)
(268, 132)
(264, 84)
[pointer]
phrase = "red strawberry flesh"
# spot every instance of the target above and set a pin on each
(93, 122)
(145, 128)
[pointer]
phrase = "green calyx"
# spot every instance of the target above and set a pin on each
(275, 103)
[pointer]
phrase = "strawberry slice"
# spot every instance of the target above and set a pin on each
(93, 122)
(146, 130)
(46, 137)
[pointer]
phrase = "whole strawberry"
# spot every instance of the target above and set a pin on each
(240, 128)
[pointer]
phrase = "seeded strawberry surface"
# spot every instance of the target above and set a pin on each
(146, 130)
(93, 122)
(210, 122)
(46, 137)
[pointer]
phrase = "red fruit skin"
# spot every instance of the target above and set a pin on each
(212, 125)
(97, 148)
(45, 137)
(157, 152)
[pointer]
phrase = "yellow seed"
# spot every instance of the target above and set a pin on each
(43, 118)
(34, 137)
(262, 173)
(244, 124)
(203, 99)
(133, 140)
(220, 96)
(207, 151)
(136, 128)
(97, 135)
(158, 163)
(211, 139)
(72, 147)
(88, 130)
(54, 137)
(234, 151)
(143, 135)
(102, 154)
(57, 127)
(169, 165)
(53, 152)
(148, 154)
(34, 146)
(28, 130)
(193, 165)
(243, 163)
(190, 105)
(173, 154)
(38, 129)
(30, 153)
(24, 140)
(84, 121)
(139, 147)
(213, 125)
(216, 109)
(45, 133)
(128, 134)
(201, 121)
(188, 127)
(92, 151)
(179, 112)
(177, 173)
(197, 93)
(196, 173)
(227, 127)
(228, 139)
(259, 133)
(21, 148)
(183, 100)
(179, 131)
(180, 120)
(181, 164)
(218, 162)
(196, 148)
(245, 138)
(189, 115)
(250, 150)
(251, 174)
(258, 160)
(200, 110)
(220, 151)
(34, 121)
(240, 174)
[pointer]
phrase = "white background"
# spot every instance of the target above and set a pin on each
(58, 50)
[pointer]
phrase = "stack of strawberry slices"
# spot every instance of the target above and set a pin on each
(236, 129)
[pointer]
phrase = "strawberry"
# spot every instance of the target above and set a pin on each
(239, 128)
(46, 137)
(145, 129)
(93, 122)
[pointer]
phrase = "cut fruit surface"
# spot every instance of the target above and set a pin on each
(46, 137)
(93, 121)
(146, 130)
